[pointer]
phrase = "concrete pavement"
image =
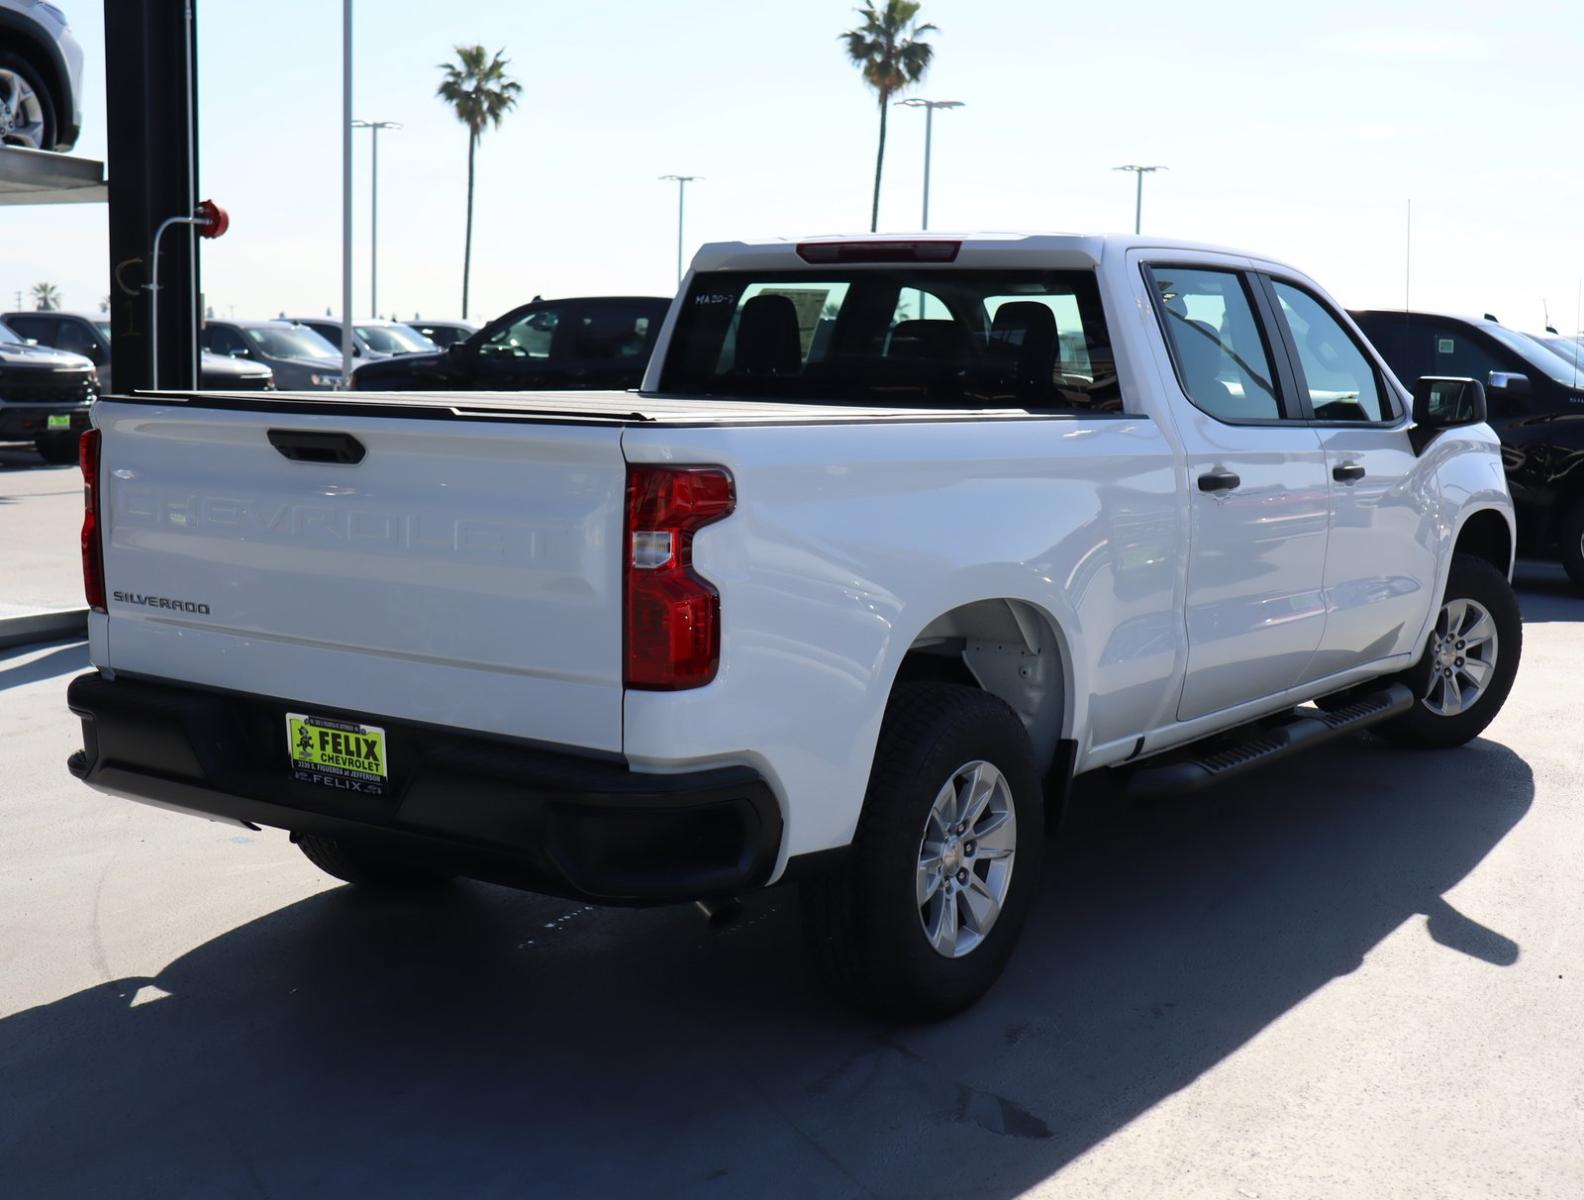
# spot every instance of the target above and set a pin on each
(1360, 973)
(41, 513)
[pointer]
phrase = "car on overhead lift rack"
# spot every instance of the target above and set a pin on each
(40, 77)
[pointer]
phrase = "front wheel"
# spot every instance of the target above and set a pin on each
(1470, 663)
(923, 915)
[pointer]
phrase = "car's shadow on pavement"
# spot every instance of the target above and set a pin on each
(21, 456)
(475, 1041)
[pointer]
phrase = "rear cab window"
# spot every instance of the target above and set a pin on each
(912, 336)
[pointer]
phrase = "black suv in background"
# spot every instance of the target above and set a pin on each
(1535, 399)
(599, 342)
(44, 396)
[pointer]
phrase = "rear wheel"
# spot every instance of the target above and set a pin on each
(57, 448)
(923, 915)
(1573, 543)
(365, 869)
(1470, 663)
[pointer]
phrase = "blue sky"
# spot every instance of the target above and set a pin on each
(1295, 130)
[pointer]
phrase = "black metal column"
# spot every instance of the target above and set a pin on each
(151, 86)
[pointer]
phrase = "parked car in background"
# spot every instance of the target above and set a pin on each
(445, 334)
(44, 396)
(372, 339)
(89, 335)
(221, 373)
(592, 342)
(301, 360)
(1536, 406)
(41, 67)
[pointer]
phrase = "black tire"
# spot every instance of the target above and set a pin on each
(57, 448)
(1472, 579)
(1572, 547)
(862, 922)
(10, 61)
(364, 869)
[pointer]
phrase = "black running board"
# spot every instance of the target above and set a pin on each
(1265, 744)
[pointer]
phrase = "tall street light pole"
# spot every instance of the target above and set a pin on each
(376, 126)
(1138, 202)
(929, 107)
(681, 181)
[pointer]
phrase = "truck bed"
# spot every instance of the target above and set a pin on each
(580, 407)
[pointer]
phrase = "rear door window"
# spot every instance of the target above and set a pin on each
(40, 329)
(1222, 359)
(222, 339)
(613, 332)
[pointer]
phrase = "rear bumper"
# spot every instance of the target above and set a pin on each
(482, 807)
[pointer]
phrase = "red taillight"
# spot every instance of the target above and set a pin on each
(933, 250)
(672, 613)
(92, 547)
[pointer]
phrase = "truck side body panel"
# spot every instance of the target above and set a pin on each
(1078, 518)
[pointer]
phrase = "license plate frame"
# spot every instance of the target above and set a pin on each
(350, 756)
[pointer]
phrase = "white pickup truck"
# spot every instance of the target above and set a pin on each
(898, 536)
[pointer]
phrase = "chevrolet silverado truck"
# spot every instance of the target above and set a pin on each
(898, 537)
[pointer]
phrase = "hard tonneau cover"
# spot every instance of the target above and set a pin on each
(602, 408)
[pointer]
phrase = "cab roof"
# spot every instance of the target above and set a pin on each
(1056, 250)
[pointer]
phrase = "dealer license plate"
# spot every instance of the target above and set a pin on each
(338, 754)
(58, 421)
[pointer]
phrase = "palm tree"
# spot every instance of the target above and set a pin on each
(46, 297)
(480, 93)
(887, 49)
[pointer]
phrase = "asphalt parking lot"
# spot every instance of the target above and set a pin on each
(1358, 973)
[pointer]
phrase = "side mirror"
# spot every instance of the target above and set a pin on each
(1441, 403)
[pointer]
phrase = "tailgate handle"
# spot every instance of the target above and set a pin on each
(317, 446)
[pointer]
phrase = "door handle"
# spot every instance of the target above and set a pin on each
(316, 446)
(1218, 480)
(1347, 473)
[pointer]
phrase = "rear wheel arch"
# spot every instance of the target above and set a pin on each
(1008, 648)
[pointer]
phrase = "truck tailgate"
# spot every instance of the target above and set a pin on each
(463, 572)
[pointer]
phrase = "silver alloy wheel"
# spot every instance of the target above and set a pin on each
(965, 858)
(1462, 657)
(21, 114)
